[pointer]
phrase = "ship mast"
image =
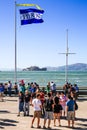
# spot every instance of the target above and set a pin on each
(66, 54)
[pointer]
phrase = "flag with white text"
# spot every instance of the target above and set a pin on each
(31, 15)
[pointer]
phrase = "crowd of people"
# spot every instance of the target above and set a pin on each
(46, 102)
(53, 110)
(55, 107)
(4, 89)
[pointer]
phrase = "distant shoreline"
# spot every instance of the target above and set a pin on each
(72, 67)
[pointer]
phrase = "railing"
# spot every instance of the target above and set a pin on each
(82, 90)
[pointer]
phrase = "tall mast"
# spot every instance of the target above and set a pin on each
(67, 49)
(67, 53)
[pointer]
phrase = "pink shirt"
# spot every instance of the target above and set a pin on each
(63, 100)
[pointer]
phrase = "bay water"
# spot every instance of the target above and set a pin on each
(43, 77)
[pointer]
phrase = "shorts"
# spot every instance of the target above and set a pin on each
(70, 115)
(1, 94)
(21, 106)
(63, 108)
(48, 115)
(37, 114)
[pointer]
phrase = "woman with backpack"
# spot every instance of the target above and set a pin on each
(57, 110)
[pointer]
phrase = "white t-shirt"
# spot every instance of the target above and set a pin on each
(36, 103)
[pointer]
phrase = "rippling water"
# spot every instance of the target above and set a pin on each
(43, 77)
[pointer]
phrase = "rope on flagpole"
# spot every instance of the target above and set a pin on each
(37, 6)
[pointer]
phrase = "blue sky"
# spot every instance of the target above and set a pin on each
(40, 44)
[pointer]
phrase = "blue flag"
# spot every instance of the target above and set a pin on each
(29, 16)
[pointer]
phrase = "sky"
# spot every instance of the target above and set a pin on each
(40, 44)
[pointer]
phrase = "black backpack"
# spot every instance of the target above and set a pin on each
(48, 104)
(76, 106)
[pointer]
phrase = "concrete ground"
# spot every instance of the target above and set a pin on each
(10, 121)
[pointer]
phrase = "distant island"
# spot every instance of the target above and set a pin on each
(35, 68)
(72, 67)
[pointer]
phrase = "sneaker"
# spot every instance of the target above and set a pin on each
(18, 115)
(73, 127)
(44, 127)
(49, 128)
(32, 126)
(39, 126)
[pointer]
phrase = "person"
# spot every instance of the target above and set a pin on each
(21, 102)
(48, 104)
(36, 103)
(28, 87)
(76, 91)
(70, 110)
(53, 88)
(16, 88)
(65, 88)
(42, 98)
(1, 91)
(5, 89)
(48, 88)
(57, 110)
(21, 87)
(58, 95)
(33, 90)
(9, 88)
(63, 100)
(72, 94)
(27, 99)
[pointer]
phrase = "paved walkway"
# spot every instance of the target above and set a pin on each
(10, 121)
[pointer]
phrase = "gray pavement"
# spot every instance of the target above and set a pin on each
(10, 121)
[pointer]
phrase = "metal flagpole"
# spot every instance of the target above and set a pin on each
(67, 53)
(15, 47)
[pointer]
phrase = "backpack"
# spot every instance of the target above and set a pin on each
(48, 104)
(76, 106)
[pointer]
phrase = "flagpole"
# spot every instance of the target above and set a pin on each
(15, 47)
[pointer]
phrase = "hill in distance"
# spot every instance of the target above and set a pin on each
(72, 67)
